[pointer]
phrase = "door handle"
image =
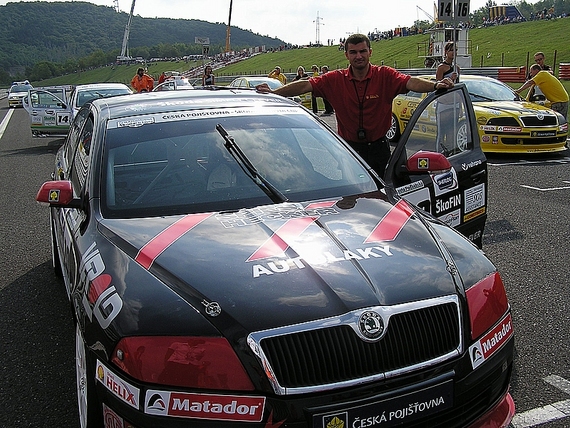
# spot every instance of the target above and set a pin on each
(478, 177)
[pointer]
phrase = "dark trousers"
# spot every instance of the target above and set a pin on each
(375, 153)
(328, 106)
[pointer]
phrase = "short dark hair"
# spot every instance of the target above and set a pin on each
(355, 39)
(536, 67)
(140, 69)
(449, 46)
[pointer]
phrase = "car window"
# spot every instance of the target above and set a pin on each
(443, 127)
(85, 96)
(45, 99)
(72, 140)
(80, 162)
(182, 166)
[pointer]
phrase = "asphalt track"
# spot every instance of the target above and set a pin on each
(527, 236)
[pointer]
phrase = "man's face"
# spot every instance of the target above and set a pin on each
(358, 55)
(140, 72)
(539, 59)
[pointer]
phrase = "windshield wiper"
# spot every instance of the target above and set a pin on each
(250, 170)
(481, 96)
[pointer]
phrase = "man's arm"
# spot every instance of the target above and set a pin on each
(526, 85)
(423, 85)
(292, 89)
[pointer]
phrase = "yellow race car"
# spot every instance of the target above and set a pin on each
(506, 122)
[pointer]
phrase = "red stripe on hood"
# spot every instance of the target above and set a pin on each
(391, 224)
(277, 244)
(153, 248)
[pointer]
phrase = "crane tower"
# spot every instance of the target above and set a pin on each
(228, 29)
(125, 48)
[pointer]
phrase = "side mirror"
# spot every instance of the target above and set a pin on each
(424, 162)
(58, 194)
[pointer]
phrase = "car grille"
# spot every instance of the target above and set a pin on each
(535, 122)
(337, 355)
(503, 121)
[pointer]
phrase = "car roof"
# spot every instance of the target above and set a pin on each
(100, 85)
(172, 101)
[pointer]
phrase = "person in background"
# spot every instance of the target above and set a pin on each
(208, 78)
(446, 111)
(328, 107)
(362, 96)
(315, 71)
(538, 59)
(301, 73)
(550, 86)
(142, 82)
(162, 78)
(448, 68)
(276, 74)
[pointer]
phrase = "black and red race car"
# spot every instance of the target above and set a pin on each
(230, 261)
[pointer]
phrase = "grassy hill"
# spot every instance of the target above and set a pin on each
(508, 45)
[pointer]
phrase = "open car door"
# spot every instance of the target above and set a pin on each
(49, 110)
(438, 163)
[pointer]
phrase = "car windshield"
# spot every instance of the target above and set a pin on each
(488, 90)
(20, 88)
(84, 96)
(177, 164)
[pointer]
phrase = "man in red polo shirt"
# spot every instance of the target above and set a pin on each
(361, 96)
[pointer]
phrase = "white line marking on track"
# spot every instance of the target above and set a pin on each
(5, 121)
(549, 413)
(548, 189)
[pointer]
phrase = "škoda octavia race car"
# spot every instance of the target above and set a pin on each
(231, 262)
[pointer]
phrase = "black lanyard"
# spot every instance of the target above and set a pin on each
(361, 104)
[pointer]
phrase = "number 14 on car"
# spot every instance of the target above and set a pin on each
(446, 12)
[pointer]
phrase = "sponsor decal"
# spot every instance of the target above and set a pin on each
(485, 139)
(509, 129)
(452, 219)
(444, 205)
(155, 247)
(387, 229)
(543, 134)
(100, 297)
(113, 420)
(474, 198)
(119, 388)
(487, 128)
(472, 164)
(396, 411)
(491, 342)
(423, 163)
(408, 188)
(495, 139)
(475, 236)
(444, 183)
(284, 265)
(204, 406)
(53, 195)
(474, 214)
(280, 212)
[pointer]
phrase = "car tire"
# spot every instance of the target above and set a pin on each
(90, 412)
(393, 133)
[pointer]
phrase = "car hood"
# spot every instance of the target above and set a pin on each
(510, 107)
(289, 263)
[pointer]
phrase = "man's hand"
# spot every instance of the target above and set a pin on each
(263, 88)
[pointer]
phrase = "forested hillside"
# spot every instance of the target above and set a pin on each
(60, 31)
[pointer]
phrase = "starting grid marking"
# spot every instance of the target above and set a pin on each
(549, 413)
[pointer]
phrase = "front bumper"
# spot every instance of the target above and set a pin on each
(465, 397)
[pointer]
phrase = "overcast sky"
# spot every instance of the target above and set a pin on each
(290, 20)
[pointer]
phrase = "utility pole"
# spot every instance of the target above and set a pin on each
(228, 29)
(318, 30)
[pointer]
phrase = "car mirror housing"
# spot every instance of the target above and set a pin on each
(58, 193)
(427, 162)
